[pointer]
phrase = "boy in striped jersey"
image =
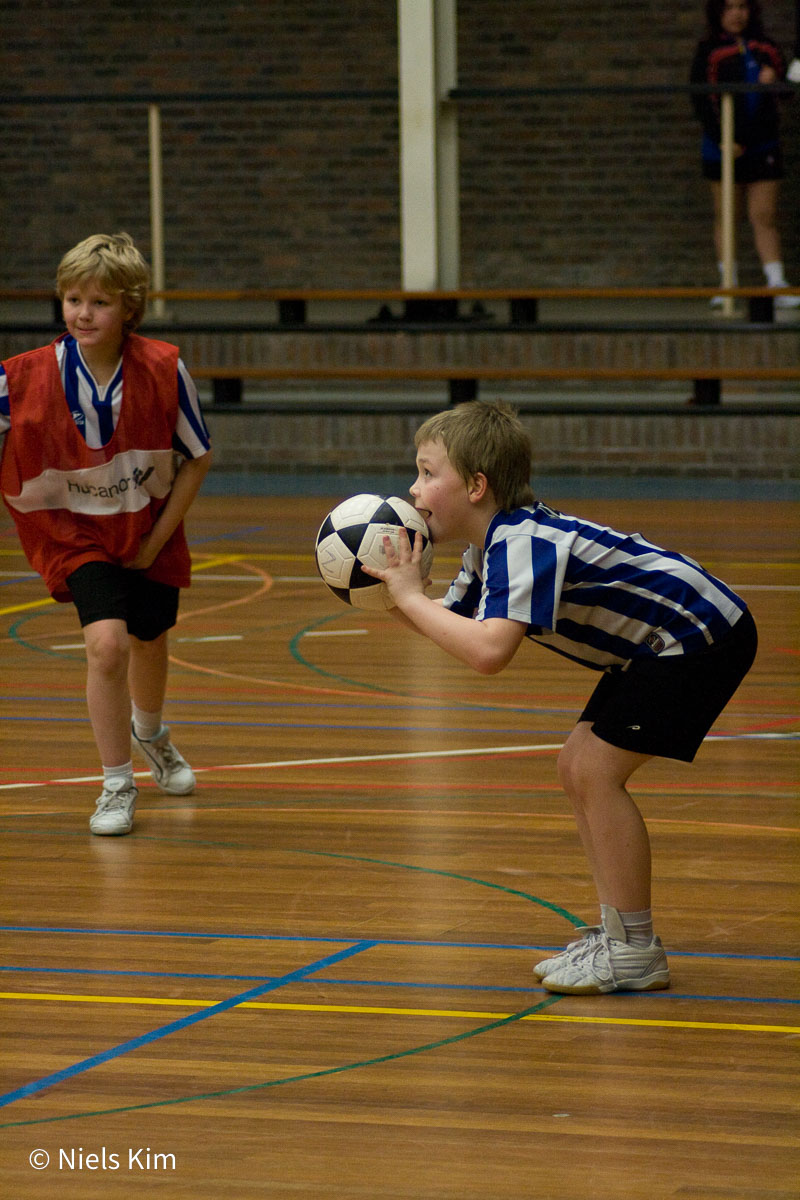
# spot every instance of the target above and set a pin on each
(672, 642)
(104, 448)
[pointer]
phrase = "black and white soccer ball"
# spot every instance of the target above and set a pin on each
(351, 536)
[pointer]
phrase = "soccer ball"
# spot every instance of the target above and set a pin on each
(352, 536)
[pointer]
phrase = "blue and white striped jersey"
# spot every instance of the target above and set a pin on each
(96, 409)
(590, 593)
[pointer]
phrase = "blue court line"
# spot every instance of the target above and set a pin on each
(321, 702)
(263, 937)
(18, 579)
(163, 1031)
(402, 727)
(245, 531)
(285, 937)
(412, 984)
(321, 1074)
(342, 726)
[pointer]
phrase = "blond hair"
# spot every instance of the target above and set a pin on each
(113, 262)
(486, 437)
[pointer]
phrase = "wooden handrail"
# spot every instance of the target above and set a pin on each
(478, 371)
(466, 294)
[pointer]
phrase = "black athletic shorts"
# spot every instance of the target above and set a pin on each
(666, 706)
(103, 591)
(750, 167)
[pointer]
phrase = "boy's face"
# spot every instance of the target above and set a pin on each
(441, 496)
(95, 318)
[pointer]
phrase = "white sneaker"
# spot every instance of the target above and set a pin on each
(611, 966)
(574, 950)
(787, 301)
(113, 815)
(169, 769)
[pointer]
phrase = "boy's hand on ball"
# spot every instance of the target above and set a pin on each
(402, 573)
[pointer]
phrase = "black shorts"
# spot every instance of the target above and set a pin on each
(666, 706)
(103, 591)
(750, 167)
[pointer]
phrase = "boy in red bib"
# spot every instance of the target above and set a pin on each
(104, 450)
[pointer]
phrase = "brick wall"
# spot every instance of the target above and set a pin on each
(683, 443)
(557, 190)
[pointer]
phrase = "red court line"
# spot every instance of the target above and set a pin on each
(45, 776)
(372, 810)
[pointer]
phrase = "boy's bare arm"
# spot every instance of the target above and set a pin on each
(184, 489)
(486, 646)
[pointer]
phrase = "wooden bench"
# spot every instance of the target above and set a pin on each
(435, 305)
(439, 310)
(227, 381)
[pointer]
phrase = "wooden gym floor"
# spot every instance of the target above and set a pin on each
(313, 977)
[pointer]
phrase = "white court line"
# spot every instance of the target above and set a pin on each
(334, 632)
(222, 637)
(310, 762)
(370, 758)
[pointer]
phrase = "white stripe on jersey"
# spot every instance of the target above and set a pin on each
(590, 592)
(190, 437)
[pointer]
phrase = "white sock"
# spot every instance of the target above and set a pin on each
(145, 724)
(638, 927)
(774, 274)
(124, 771)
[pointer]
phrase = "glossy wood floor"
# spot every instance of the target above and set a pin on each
(313, 977)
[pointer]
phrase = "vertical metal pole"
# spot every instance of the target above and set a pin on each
(728, 202)
(418, 199)
(156, 208)
(449, 230)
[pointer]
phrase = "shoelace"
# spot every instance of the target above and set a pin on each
(580, 948)
(171, 760)
(111, 800)
(596, 945)
(575, 951)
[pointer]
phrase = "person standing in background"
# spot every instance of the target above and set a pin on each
(793, 73)
(736, 49)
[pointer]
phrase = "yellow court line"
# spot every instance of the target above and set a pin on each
(278, 556)
(368, 1010)
(31, 604)
(219, 561)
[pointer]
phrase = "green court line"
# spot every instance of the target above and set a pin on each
(270, 1083)
(500, 887)
(303, 661)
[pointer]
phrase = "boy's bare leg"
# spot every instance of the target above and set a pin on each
(147, 673)
(147, 680)
(107, 655)
(622, 954)
(612, 831)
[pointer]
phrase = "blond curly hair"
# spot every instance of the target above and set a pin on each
(113, 262)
